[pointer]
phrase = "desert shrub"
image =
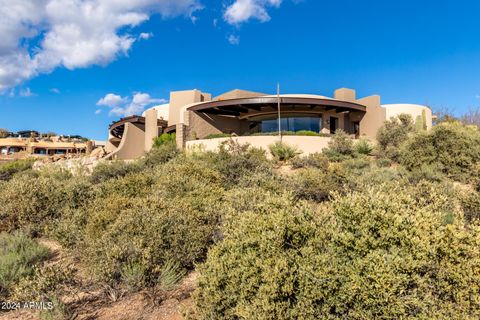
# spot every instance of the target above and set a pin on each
(339, 147)
(135, 184)
(130, 244)
(9, 169)
(160, 154)
(363, 146)
(452, 147)
(18, 256)
(113, 169)
(392, 134)
(30, 203)
(184, 176)
(426, 172)
(317, 184)
(314, 160)
(218, 135)
(367, 255)
(470, 202)
(282, 151)
(357, 164)
(236, 161)
(384, 162)
(164, 138)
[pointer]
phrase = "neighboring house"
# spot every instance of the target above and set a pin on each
(19, 147)
(252, 117)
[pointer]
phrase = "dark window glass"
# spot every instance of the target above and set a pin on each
(293, 124)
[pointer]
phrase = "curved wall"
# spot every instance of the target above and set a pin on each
(415, 110)
(306, 144)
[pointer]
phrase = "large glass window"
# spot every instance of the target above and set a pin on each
(292, 124)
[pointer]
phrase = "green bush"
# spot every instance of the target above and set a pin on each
(363, 146)
(18, 256)
(341, 143)
(282, 151)
(314, 160)
(392, 134)
(130, 243)
(30, 202)
(236, 161)
(9, 169)
(113, 169)
(164, 138)
(317, 184)
(384, 162)
(218, 135)
(160, 155)
(452, 147)
(368, 255)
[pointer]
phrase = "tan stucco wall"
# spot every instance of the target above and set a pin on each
(201, 125)
(238, 94)
(132, 145)
(374, 118)
(305, 144)
(179, 99)
(415, 110)
(151, 128)
(345, 94)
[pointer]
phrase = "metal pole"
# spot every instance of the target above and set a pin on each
(279, 115)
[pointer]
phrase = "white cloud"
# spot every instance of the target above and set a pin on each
(26, 92)
(233, 39)
(127, 106)
(477, 96)
(41, 35)
(55, 90)
(111, 100)
(145, 35)
(98, 111)
(243, 10)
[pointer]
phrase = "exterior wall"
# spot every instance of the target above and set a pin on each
(132, 145)
(151, 128)
(162, 111)
(238, 94)
(201, 125)
(306, 144)
(415, 110)
(345, 94)
(374, 118)
(179, 99)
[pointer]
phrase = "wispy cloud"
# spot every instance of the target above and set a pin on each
(145, 35)
(98, 111)
(233, 39)
(55, 90)
(26, 92)
(127, 106)
(243, 10)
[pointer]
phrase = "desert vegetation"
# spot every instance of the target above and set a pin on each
(359, 231)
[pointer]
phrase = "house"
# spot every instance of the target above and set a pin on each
(253, 117)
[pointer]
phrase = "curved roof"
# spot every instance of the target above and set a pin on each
(117, 128)
(237, 107)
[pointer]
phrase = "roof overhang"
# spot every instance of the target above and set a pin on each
(247, 107)
(117, 128)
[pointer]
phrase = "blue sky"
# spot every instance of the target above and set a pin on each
(425, 52)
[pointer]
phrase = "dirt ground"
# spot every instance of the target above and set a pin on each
(89, 302)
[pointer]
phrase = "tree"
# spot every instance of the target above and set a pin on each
(4, 133)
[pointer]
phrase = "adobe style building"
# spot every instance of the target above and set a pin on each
(252, 117)
(22, 146)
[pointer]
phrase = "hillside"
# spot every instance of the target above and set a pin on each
(360, 231)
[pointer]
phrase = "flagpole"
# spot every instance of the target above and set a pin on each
(279, 115)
